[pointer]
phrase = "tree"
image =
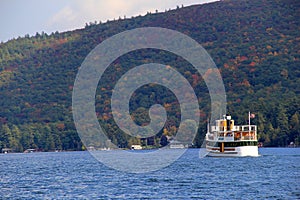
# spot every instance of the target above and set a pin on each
(270, 135)
(50, 145)
(295, 128)
(282, 127)
(164, 140)
(27, 139)
(261, 124)
(16, 135)
(5, 136)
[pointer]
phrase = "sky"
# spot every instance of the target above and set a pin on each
(21, 17)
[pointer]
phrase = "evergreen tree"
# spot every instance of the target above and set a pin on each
(16, 136)
(295, 129)
(5, 136)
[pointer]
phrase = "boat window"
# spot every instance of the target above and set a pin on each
(236, 144)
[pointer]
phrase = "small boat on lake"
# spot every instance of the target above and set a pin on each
(225, 139)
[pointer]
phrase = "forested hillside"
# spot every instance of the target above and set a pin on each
(254, 43)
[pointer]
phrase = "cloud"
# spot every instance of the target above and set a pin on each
(63, 19)
(103, 9)
(79, 12)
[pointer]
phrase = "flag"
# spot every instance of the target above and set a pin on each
(251, 115)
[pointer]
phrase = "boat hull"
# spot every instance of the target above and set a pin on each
(242, 151)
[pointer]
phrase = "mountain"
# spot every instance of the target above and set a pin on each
(254, 43)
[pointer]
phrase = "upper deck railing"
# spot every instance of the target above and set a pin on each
(237, 133)
(234, 128)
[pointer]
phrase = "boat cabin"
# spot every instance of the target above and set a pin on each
(226, 130)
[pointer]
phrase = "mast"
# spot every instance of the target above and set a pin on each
(249, 116)
(208, 131)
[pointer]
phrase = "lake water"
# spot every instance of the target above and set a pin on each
(77, 175)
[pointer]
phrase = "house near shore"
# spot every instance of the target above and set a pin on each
(136, 147)
(7, 150)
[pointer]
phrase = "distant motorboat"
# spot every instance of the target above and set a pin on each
(30, 151)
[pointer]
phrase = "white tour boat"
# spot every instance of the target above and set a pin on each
(225, 139)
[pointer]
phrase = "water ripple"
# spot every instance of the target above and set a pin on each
(69, 175)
